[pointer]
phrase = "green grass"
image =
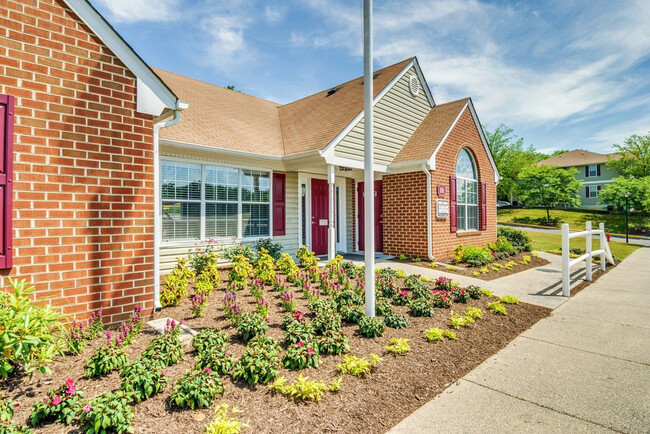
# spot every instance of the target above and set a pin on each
(550, 242)
(614, 223)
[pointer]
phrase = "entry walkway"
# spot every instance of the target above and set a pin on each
(586, 368)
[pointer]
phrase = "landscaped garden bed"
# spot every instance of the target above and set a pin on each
(391, 388)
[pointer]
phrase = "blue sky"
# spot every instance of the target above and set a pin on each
(562, 74)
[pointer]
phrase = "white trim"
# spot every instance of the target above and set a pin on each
(355, 164)
(104, 31)
(342, 245)
(424, 82)
(220, 151)
(609, 181)
(432, 159)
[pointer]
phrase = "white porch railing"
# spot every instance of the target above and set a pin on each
(604, 252)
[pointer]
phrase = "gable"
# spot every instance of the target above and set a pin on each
(397, 114)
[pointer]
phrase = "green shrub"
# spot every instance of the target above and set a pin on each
(231, 252)
(109, 357)
(402, 298)
(474, 313)
(396, 320)
(286, 265)
(176, 283)
(358, 366)
(307, 258)
(501, 245)
(297, 331)
(459, 295)
(209, 338)
(223, 423)
(509, 299)
(326, 321)
(351, 313)
(332, 342)
(371, 327)
(143, 379)
(457, 320)
(383, 307)
(265, 267)
(165, 348)
(322, 306)
(436, 334)
(260, 362)
(519, 239)
(420, 307)
(301, 355)
(197, 389)
(203, 257)
(474, 291)
(107, 413)
(251, 325)
(29, 334)
(347, 297)
(385, 285)
(304, 389)
(497, 308)
(61, 405)
(476, 256)
(271, 248)
(240, 272)
(398, 346)
(218, 359)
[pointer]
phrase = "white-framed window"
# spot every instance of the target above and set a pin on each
(466, 192)
(593, 190)
(204, 200)
(593, 170)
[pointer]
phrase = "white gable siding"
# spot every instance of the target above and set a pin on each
(396, 116)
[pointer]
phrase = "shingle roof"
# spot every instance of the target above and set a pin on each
(231, 120)
(578, 157)
(223, 118)
(313, 122)
(430, 132)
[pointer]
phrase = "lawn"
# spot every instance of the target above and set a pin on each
(551, 242)
(614, 223)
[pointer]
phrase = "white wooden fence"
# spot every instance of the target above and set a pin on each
(604, 252)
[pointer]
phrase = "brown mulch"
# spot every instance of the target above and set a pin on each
(595, 275)
(373, 404)
(466, 270)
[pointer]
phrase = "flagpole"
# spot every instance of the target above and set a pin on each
(369, 181)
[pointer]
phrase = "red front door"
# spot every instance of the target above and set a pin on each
(379, 224)
(319, 215)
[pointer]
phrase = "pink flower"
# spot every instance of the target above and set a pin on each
(87, 408)
(227, 353)
(16, 406)
(300, 344)
(310, 351)
(56, 400)
(404, 293)
(207, 370)
(164, 373)
(71, 390)
(46, 398)
(108, 335)
(69, 382)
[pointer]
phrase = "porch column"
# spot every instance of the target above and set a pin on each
(331, 232)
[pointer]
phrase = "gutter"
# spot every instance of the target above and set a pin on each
(157, 221)
(425, 169)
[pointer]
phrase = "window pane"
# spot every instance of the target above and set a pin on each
(181, 220)
(460, 191)
(461, 217)
(255, 220)
(180, 181)
(472, 193)
(220, 220)
(221, 183)
(472, 217)
(465, 165)
(256, 186)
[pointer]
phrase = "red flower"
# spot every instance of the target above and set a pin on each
(310, 351)
(300, 344)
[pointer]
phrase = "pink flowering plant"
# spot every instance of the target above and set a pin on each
(218, 359)
(197, 389)
(280, 284)
(209, 338)
(7, 408)
(108, 357)
(75, 338)
(301, 355)
(402, 298)
(474, 291)
(459, 295)
(260, 362)
(332, 342)
(297, 331)
(444, 283)
(262, 307)
(383, 307)
(288, 303)
(251, 325)
(288, 319)
(256, 289)
(202, 257)
(326, 321)
(198, 305)
(95, 325)
(231, 308)
(166, 348)
(110, 412)
(442, 299)
(60, 405)
(143, 379)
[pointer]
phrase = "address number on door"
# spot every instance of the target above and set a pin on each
(322, 222)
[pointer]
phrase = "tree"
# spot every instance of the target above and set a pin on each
(548, 187)
(638, 190)
(510, 156)
(634, 157)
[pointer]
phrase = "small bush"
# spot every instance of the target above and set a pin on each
(497, 308)
(217, 359)
(396, 320)
(203, 257)
(273, 249)
(434, 334)
(322, 306)
(304, 389)
(402, 298)
(301, 355)
(358, 366)
(307, 258)
(142, 379)
(166, 348)
(260, 362)
(371, 327)
(231, 252)
(398, 346)
(351, 313)
(176, 283)
(509, 299)
(224, 423)
(208, 339)
(297, 331)
(60, 405)
(442, 299)
(474, 256)
(486, 292)
(326, 321)
(108, 412)
(286, 265)
(197, 389)
(265, 267)
(459, 295)
(474, 291)
(457, 321)
(519, 239)
(474, 312)
(444, 284)
(332, 342)
(421, 307)
(251, 325)
(109, 357)
(383, 307)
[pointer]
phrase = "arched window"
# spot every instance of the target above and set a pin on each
(466, 192)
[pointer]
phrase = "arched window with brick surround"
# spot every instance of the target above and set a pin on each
(467, 195)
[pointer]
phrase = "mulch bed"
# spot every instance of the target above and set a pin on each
(374, 404)
(535, 261)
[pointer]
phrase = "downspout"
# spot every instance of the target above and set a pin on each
(157, 221)
(426, 170)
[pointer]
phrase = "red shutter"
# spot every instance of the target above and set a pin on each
(598, 170)
(482, 198)
(586, 171)
(453, 216)
(279, 203)
(6, 180)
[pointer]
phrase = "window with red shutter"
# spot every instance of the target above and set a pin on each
(6, 180)
(483, 199)
(453, 212)
(279, 203)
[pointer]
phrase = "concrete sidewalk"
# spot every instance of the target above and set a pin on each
(586, 368)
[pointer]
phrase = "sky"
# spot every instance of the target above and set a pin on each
(566, 74)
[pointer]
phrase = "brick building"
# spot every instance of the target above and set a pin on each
(105, 182)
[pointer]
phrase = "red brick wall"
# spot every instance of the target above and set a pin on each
(405, 230)
(83, 219)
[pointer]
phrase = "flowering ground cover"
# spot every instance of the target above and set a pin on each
(299, 327)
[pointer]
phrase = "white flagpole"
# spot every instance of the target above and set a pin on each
(369, 187)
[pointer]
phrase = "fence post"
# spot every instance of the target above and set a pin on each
(603, 240)
(589, 250)
(566, 272)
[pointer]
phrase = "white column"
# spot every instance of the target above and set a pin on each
(588, 249)
(369, 176)
(566, 271)
(331, 231)
(603, 240)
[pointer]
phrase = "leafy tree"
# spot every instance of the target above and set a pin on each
(549, 186)
(638, 190)
(232, 87)
(510, 156)
(635, 157)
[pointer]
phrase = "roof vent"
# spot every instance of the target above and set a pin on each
(375, 74)
(332, 91)
(414, 85)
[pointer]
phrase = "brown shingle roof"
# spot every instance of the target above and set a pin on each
(313, 122)
(578, 157)
(430, 132)
(223, 118)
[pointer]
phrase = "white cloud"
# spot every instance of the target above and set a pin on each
(131, 11)
(616, 134)
(227, 47)
(273, 15)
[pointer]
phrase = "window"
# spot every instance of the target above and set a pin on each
(592, 170)
(593, 191)
(235, 202)
(466, 192)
